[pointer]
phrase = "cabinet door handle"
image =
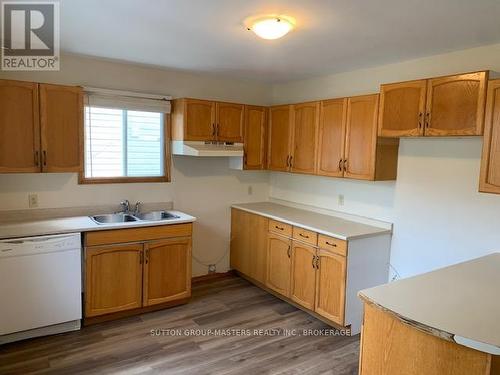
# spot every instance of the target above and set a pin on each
(314, 261)
(340, 164)
(289, 251)
(427, 120)
(420, 115)
(345, 165)
(288, 160)
(331, 244)
(44, 156)
(37, 158)
(147, 256)
(317, 262)
(303, 235)
(213, 130)
(217, 130)
(291, 161)
(279, 228)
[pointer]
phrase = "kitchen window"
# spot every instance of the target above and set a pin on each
(125, 139)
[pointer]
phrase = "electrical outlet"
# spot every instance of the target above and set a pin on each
(341, 199)
(250, 189)
(212, 268)
(33, 200)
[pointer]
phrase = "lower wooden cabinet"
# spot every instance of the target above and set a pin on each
(303, 275)
(113, 279)
(128, 276)
(279, 252)
(167, 270)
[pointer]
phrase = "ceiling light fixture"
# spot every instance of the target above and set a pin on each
(271, 27)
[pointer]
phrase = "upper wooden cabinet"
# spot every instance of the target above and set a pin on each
(304, 137)
(490, 163)
(332, 128)
(255, 145)
(41, 127)
(455, 105)
(280, 138)
(205, 120)
(19, 127)
(402, 109)
(61, 119)
(442, 106)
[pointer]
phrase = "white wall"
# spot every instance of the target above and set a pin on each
(439, 217)
(202, 187)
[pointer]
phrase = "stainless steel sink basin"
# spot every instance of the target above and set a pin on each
(113, 218)
(157, 216)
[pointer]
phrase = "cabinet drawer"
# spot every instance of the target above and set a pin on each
(280, 228)
(108, 237)
(333, 244)
(305, 235)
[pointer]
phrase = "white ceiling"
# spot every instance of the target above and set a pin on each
(331, 35)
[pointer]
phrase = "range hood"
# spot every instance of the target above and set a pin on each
(206, 149)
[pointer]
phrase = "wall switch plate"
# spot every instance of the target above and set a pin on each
(33, 200)
(212, 268)
(341, 199)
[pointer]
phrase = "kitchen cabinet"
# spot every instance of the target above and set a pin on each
(113, 278)
(319, 273)
(441, 106)
(205, 120)
(490, 162)
(402, 109)
(332, 129)
(303, 153)
(280, 138)
(279, 252)
(19, 127)
(61, 120)
(40, 127)
(131, 270)
(303, 274)
(255, 138)
(167, 270)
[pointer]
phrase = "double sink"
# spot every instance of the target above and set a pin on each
(126, 218)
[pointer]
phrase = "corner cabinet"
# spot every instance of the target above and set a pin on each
(132, 270)
(41, 127)
(442, 106)
(490, 162)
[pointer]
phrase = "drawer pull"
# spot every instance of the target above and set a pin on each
(303, 235)
(279, 228)
(289, 251)
(331, 244)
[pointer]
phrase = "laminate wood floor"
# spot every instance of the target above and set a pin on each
(127, 346)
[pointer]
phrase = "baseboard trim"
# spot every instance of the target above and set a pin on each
(210, 277)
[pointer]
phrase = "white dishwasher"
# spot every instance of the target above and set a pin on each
(40, 286)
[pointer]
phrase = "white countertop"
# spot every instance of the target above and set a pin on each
(78, 224)
(325, 224)
(459, 303)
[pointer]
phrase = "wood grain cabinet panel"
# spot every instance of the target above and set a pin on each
(19, 127)
(230, 122)
(304, 138)
(402, 109)
(303, 275)
(455, 105)
(255, 144)
(331, 286)
(61, 124)
(113, 279)
(193, 120)
(167, 270)
(332, 128)
(490, 163)
(361, 138)
(279, 252)
(280, 134)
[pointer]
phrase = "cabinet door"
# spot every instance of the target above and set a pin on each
(332, 128)
(255, 137)
(305, 137)
(167, 270)
(330, 286)
(490, 163)
(455, 105)
(279, 138)
(240, 241)
(19, 127)
(279, 252)
(113, 279)
(257, 233)
(199, 120)
(230, 122)
(361, 137)
(61, 119)
(303, 284)
(402, 109)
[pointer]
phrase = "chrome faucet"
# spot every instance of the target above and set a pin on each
(137, 209)
(125, 206)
